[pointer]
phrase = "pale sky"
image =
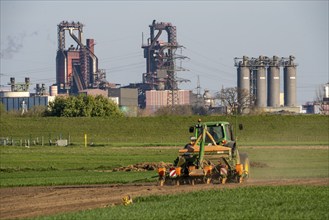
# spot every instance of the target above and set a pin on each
(213, 33)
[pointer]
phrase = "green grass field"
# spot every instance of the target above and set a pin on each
(22, 166)
(170, 130)
(76, 164)
(283, 202)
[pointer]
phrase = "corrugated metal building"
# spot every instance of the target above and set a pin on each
(15, 103)
(127, 99)
(156, 99)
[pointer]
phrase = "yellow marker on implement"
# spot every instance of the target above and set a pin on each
(85, 140)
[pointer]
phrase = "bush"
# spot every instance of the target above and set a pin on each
(83, 106)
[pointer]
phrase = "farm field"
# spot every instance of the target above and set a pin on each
(288, 155)
(252, 201)
(66, 171)
(37, 166)
(269, 199)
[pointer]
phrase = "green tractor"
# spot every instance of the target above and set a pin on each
(211, 157)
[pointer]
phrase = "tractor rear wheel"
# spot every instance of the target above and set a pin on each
(244, 160)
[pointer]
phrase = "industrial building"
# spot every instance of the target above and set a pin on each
(126, 99)
(260, 78)
(321, 104)
(326, 92)
(18, 98)
(77, 66)
(77, 72)
(157, 99)
(161, 69)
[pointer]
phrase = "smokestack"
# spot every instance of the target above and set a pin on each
(12, 84)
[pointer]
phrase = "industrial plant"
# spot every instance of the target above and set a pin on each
(20, 98)
(77, 66)
(159, 85)
(260, 79)
(77, 71)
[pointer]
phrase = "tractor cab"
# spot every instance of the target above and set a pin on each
(216, 133)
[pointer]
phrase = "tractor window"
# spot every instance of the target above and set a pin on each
(232, 133)
(228, 132)
(216, 133)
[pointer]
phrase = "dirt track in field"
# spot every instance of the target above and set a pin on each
(23, 202)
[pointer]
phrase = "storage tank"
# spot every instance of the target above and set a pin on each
(53, 90)
(208, 99)
(290, 82)
(273, 83)
(261, 83)
(326, 91)
(243, 77)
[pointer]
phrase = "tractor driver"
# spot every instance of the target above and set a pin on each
(190, 145)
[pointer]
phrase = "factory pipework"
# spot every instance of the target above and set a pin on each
(79, 41)
(90, 53)
(160, 66)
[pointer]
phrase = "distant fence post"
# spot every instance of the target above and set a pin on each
(85, 140)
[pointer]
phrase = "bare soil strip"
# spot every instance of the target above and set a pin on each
(24, 202)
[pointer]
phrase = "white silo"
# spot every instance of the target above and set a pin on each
(261, 94)
(243, 78)
(273, 83)
(289, 74)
